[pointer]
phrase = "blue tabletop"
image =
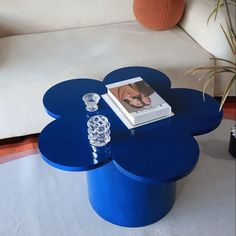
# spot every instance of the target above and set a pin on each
(160, 152)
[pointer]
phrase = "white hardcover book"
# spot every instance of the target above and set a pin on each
(121, 115)
(138, 101)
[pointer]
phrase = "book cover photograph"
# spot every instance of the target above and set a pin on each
(137, 100)
(134, 96)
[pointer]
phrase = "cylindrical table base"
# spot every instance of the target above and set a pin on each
(127, 202)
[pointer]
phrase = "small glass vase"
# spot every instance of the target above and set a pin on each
(91, 100)
(98, 131)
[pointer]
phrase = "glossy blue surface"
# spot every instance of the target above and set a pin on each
(160, 152)
(124, 201)
(71, 149)
(64, 143)
(157, 156)
(65, 98)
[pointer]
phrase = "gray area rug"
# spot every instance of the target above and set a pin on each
(38, 200)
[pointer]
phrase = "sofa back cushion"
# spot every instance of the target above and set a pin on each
(32, 16)
(209, 36)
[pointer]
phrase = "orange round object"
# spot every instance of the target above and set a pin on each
(158, 14)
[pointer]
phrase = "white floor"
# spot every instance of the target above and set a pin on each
(38, 200)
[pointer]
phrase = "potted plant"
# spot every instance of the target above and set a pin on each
(229, 66)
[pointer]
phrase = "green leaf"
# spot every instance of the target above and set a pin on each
(231, 35)
(228, 39)
(211, 15)
(221, 59)
(218, 6)
(215, 72)
(211, 76)
(207, 74)
(197, 69)
(227, 90)
(214, 12)
(209, 79)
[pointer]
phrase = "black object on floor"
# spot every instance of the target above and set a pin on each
(232, 143)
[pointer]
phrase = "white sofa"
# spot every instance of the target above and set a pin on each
(48, 41)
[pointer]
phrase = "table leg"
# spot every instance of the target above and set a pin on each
(127, 202)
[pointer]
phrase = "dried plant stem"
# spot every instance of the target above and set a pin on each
(229, 67)
(228, 17)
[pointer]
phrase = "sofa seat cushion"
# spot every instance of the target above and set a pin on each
(30, 64)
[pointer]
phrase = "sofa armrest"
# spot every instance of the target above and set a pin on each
(211, 36)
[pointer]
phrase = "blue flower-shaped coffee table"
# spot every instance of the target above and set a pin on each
(132, 181)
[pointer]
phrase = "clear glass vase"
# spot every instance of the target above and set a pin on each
(91, 100)
(98, 131)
